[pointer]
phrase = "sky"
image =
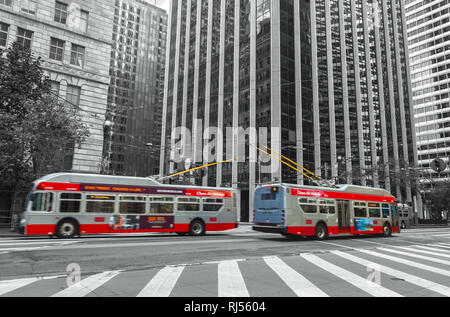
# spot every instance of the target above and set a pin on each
(165, 5)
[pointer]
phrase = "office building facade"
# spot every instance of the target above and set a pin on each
(323, 82)
(74, 40)
(428, 26)
(133, 120)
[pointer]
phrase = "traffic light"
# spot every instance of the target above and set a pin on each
(438, 165)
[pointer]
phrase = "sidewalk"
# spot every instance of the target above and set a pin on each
(6, 232)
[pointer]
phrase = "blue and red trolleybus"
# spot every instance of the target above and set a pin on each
(294, 210)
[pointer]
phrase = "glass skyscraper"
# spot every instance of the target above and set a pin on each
(428, 25)
(133, 117)
(323, 82)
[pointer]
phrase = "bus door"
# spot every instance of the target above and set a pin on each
(343, 215)
(394, 216)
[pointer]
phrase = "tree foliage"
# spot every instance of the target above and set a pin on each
(37, 130)
(438, 198)
(21, 80)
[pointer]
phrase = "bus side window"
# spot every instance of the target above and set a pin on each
(360, 209)
(374, 210)
(212, 204)
(308, 206)
(42, 202)
(385, 208)
(188, 204)
(161, 205)
(69, 203)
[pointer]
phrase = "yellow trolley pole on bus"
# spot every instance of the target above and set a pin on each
(318, 181)
(295, 169)
(195, 169)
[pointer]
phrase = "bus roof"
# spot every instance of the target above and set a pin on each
(354, 189)
(75, 178)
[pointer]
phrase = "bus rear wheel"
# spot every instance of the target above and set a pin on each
(197, 228)
(321, 232)
(66, 229)
(387, 231)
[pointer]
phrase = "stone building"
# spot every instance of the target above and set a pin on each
(74, 40)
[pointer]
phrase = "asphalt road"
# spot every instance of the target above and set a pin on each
(238, 263)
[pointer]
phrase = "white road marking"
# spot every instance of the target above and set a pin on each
(407, 262)
(163, 283)
(296, 282)
(87, 285)
(364, 284)
(33, 243)
(441, 253)
(441, 235)
(231, 283)
(431, 248)
(23, 249)
(417, 256)
(11, 285)
(437, 288)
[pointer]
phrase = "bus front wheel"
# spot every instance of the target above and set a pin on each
(66, 229)
(197, 228)
(321, 232)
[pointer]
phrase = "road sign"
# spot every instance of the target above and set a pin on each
(438, 165)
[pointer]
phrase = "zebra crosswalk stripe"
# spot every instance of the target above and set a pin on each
(367, 286)
(417, 256)
(9, 286)
(407, 262)
(443, 252)
(87, 285)
(423, 251)
(163, 283)
(230, 280)
(301, 286)
(441, 245)
(432, 286)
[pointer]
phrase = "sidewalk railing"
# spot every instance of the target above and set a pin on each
(10, 219)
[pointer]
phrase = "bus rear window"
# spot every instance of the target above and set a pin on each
(269, 196)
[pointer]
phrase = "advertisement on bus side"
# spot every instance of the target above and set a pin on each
(364, 224)
(141, 222)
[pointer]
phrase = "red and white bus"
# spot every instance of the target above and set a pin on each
(67, 205)
(294, 210)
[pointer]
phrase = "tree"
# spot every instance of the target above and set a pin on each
(37, 131)
(438, 199)
(21, 79)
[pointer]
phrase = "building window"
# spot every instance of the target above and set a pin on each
(24, 37)
(60, 12)
(73, 95)
(28, 6)
(54, 88)
(84, 18)
(3, 34)
(77, 55)
(6, 2)
(56, 49)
